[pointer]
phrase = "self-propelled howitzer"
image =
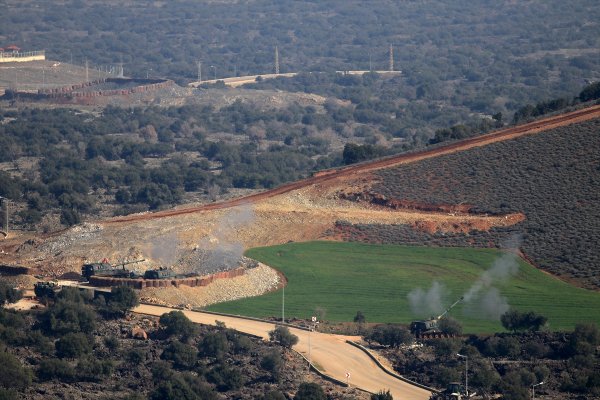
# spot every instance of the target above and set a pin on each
(430, 326)
(104, 268)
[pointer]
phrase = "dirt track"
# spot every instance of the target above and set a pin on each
(356, 170)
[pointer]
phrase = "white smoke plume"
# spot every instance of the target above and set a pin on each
(482, 298)
(428, 303)
(220, 250)
(164, 250)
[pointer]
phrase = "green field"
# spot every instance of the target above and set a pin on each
(343, 278)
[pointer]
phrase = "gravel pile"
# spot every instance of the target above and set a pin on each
(254, 282)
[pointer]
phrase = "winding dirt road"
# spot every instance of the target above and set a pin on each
(330, 353)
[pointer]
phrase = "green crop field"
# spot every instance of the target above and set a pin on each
(343, 278)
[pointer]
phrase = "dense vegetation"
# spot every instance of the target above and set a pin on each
(502, 52)
(552, 177)
(509, 363)
(148, 158)
(336, 280)
(75, 349)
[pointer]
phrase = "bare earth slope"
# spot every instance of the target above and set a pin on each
(297, 211)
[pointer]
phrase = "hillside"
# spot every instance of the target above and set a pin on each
(551, 177)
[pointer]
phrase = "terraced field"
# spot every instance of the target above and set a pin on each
(343, 278)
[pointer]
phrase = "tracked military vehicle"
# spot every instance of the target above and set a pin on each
(430, 327)
(46, 290)
(104, 268)
(159, 273)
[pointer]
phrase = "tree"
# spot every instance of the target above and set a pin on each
(8, 294)
(283, 336)
(360, 319)
(310, 391)
(121, 300)
(12, 373)
(66, 316)
(273, 395)
(182, 355)
(214, 345)
(73, 345)
(176, 323)
(450, 326)
(515, 320)
(389, 335)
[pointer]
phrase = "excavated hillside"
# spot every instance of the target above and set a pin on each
(211, 237)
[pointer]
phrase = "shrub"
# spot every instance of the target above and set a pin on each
(273, 363)
(310, 391)
(214, 345)
(94, 370)
(273, 395)
(283, 336)
(389, 335)
(12, 374)
(514, 320)
(176, 323)
(122, 299)
(450, 326)
(8, 294)
(73, 345)
(135, 356)
(381, 395)
(111, 342)
(182, 387)
(52, 368)
(182, 355)
(226, 378)
(67, 316)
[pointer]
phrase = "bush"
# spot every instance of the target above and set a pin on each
(450, 326)
(381, 395)
(514, 320)
(389, 335)
(273, 395)
(122, 299)
(94, 370)
(52, 368)
(8, 294)
(226, 378)
(135, 356)
(283, 336)
(13, 375)
(66, 316)
(73, 345)
(182, 355)
(310, 391)
(214, 345)
(182, 387)
(273, 363)
(176, 323)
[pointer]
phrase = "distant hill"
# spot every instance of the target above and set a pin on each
(552, 177)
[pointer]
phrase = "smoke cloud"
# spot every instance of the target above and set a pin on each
(483, 299)
(430, 302)
(164, 249)
(219, 249)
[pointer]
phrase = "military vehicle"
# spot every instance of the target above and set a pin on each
(430, 327)
(104, 268)
(159, 273)
(454, 391)
(47, 290)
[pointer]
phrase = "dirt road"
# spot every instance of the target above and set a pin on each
(355, 170)
(330, 353)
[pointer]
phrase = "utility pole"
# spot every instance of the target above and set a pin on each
(276, 60)
(283, 305)
(391, 58)
(466, 372)
(4, 205)
(87, 73)
(199, 71)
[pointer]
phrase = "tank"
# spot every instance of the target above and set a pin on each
(104, 268)
(159, 273)
(47, 290)
(430, 326)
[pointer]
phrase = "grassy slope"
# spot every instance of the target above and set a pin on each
(343, 278)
